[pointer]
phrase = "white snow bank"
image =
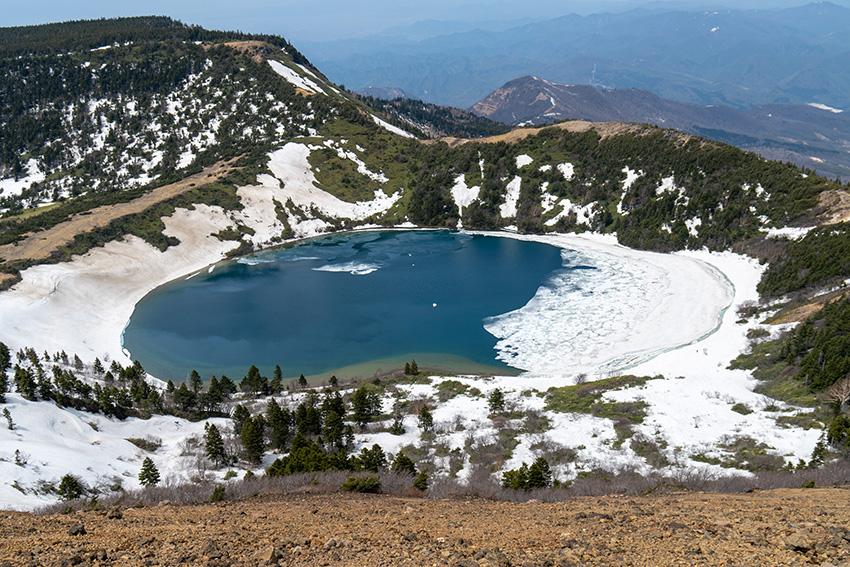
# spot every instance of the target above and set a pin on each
(294, 177)
(508, 208)
(789, 232)
(825, 107)
(394, 129)
(55, 441)
(567, 170)
(31, 174)
(523, 160)
(293, 77)
(463, 195)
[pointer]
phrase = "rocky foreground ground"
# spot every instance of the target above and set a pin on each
(780, 527)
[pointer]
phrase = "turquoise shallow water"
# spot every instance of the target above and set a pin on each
(352, 300)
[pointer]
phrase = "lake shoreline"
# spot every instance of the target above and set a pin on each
(84, 305)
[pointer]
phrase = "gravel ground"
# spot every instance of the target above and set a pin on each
(778, 527)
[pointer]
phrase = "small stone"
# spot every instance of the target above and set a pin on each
(115, 514)
(267, 554)
(77, 529)
(799, 542)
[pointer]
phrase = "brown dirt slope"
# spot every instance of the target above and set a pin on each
(38, 246)
(782, 527)
(604, 129)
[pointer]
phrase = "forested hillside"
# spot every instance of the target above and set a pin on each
(100, 112)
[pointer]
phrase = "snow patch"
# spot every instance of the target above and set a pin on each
(523, 160)
(508, 208)
(291, 76)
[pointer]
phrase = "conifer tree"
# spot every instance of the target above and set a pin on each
(9, 423)
(195, 381)
(5, 358)
(228, 387)
(214, 444)
(184, 397)
(302, 381)
(539, 474)
(4, 386)
(426, 420)
(372, 459)
(149, 475)
(98, 366)
(421, 481)
(279, 422)
(70, 487)
(276, 383)
(334, 430)
(414, 368)
(333, 380)
(25, 383)
(496, 401)
(402, 464)
(365, 405)
(240, 415)
(252, 438)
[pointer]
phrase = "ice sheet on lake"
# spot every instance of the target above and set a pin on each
(609, 313)
(355, 268)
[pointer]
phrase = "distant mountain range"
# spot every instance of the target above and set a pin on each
(386, 93)
(741, 58)
(814, 136)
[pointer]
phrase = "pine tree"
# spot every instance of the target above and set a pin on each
(333, 380)
(426, 420)
(5, 358)
(496, 401)
(252, 438)
(214, 444)
(4, 386)
(149, 475)
(98, 366)
(421, 481)
(402, 464)
(539, 474)
(364, 405)
(240, 415)
(414, 368)
(372, 459)
(276, 383)
(25, 383)
(279, 422)
(10, 424)
(195, 381)
(70, 487)
(302, 381)
(334, 430)
(184, 397)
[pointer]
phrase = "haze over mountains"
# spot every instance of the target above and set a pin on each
(741, 58)
(814, 136)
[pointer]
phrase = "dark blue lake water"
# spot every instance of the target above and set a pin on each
(353, 304)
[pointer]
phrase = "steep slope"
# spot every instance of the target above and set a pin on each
(808, 135)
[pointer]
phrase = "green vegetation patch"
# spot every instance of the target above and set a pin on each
(587, 398)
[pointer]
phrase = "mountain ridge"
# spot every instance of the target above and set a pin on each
(814, 136)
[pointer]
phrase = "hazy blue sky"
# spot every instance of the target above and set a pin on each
(300, 20)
